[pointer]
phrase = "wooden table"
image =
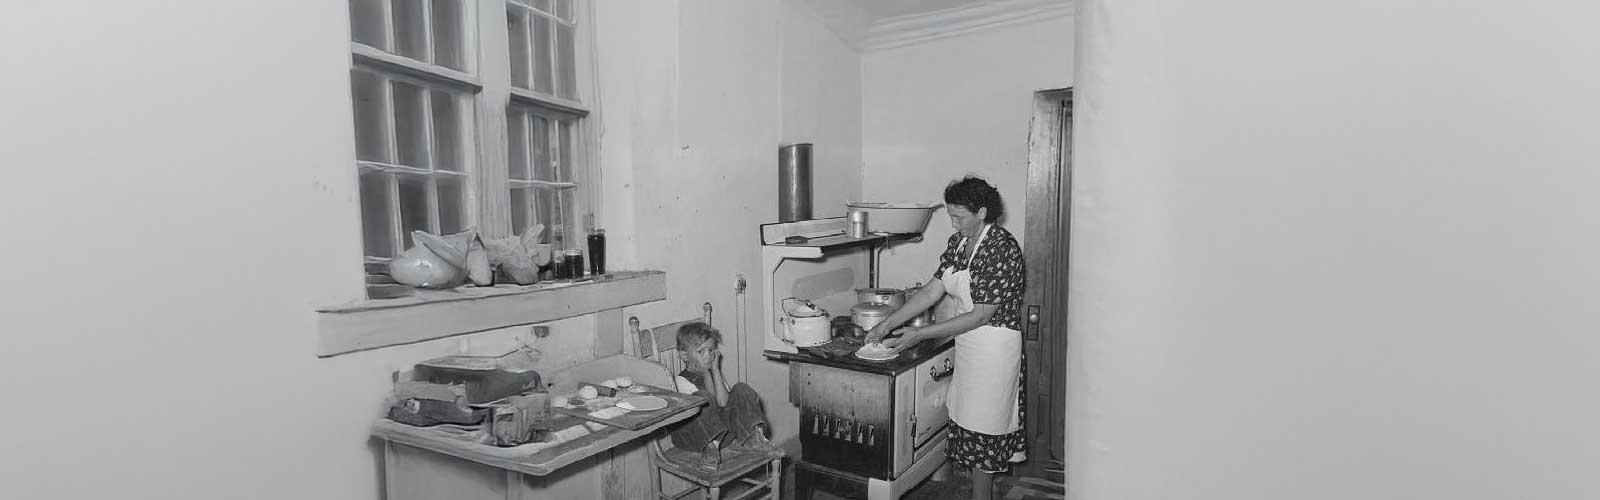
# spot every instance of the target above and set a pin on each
(447, 461)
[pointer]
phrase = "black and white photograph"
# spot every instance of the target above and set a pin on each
(799, 249)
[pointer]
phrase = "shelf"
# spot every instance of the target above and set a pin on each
(826, 236)
(839, 242)
(436, 314)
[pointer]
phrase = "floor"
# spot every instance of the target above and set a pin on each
(1010, 487)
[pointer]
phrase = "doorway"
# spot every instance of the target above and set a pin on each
(1045, 246)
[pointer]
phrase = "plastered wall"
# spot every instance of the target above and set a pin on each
(938, 111)
(1334, 250)
(178, 198)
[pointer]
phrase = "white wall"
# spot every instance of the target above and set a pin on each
(178, 198)
(822, 105)
(938, 111)
(695, 125)
(1334, 250)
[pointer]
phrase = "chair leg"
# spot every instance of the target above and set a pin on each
(714, 493)
(775, 472)
(655, 481)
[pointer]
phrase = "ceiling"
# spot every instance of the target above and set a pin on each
(870, 25)
(876, 10)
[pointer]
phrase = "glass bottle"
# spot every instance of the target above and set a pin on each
(597, 252)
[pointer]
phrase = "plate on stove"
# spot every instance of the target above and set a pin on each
(876, 352)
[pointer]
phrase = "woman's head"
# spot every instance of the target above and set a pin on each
(971, 203)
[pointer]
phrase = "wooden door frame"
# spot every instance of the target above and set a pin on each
(1047, 222)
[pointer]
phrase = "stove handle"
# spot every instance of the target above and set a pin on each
(938, 372)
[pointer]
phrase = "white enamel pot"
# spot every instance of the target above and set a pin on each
(803, 324)
(805, 332)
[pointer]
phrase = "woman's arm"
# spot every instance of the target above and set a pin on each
(925, 297)
(978, 316)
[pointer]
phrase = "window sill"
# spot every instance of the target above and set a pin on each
(436, 314)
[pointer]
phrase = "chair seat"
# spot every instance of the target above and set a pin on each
(735, 463)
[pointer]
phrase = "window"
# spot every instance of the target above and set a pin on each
(442, 146)
(543, 119)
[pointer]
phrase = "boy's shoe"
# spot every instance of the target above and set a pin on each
(757, 441)
(711, 456)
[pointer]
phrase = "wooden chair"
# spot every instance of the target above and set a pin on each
(759, 474)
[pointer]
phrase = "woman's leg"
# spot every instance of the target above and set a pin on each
(982, 485)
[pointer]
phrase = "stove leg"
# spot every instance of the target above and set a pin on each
(878, 489)
(802, 483)
(942, 473)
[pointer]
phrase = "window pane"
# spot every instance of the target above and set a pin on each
(540, 136)
(376, 220)
(541, 55)
(566, 68)
(517, 144)
(452, 203)
(545, 210)
(521, 208)
(447, 131)
(411, 139)
(410, 36)
(542, 5)
(517, 29)
(448, 34)
(372, 129)
(414, 210)
(560, 213)
(366, 22)
(564, 168)
(564, 9)
(566, 200)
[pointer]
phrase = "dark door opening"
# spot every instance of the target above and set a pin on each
(1045, 247)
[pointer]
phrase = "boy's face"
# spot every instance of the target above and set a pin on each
(702, 358)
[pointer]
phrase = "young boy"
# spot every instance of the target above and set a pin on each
(732, 418)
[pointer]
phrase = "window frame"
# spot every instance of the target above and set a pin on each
(490, 95)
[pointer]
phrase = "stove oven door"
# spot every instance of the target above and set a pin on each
(932, 380)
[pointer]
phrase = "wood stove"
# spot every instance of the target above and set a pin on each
(875, 426)
(878, 424)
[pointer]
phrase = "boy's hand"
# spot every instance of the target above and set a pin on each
(698, 368)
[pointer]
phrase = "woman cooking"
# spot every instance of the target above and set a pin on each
(980, 279)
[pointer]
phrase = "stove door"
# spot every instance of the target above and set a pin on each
(932, 380)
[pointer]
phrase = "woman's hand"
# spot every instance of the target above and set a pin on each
(878, 332)
(908, 337)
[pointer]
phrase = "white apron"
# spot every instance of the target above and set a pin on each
(983, 390)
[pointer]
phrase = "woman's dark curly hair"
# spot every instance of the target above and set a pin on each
(972, 193)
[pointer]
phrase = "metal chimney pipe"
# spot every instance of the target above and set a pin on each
(794, 182)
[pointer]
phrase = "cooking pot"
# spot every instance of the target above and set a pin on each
(921, 320)
(803, 324)
(845, 327)
(868, 314)
(893, 297)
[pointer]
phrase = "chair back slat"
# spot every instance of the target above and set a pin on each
(663, 340)
(660, 343)
(658, 346)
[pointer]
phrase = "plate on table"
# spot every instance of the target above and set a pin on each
(643, 403)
